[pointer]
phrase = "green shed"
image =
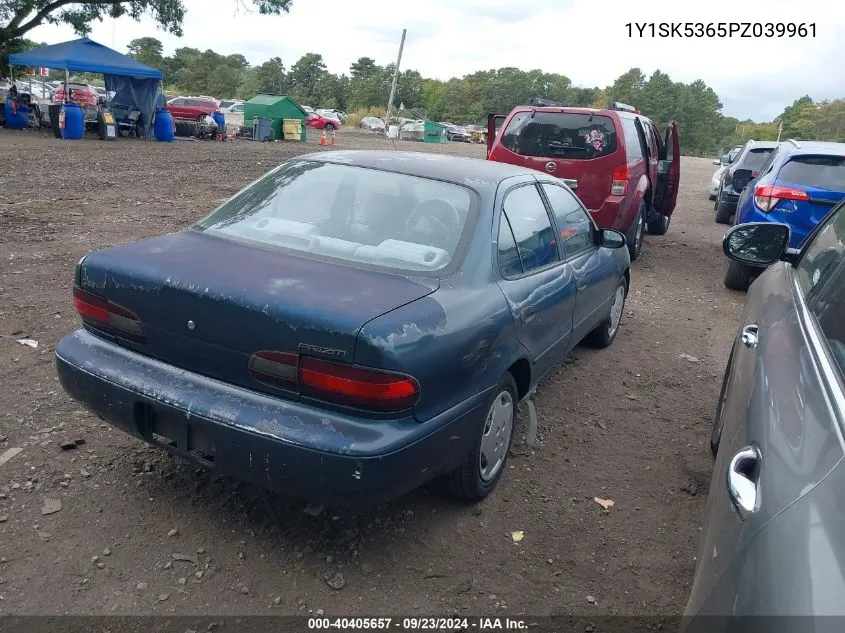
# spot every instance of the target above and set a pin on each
(276, 108)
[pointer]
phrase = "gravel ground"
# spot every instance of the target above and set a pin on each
(628, 423)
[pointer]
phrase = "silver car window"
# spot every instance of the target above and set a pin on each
(829, 308)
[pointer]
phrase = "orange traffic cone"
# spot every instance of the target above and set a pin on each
(323, 140)
(333, 138)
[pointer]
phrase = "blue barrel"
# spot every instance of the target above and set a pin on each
(163, 127)
(16, 120)
(220, 120)
(72, 122)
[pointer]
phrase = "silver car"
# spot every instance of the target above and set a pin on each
(723, 163)
(773, 541)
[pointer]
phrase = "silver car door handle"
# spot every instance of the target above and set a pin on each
(743, 481)
(750, 336)
(582, 284)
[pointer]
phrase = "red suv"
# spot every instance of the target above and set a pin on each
(191, 107)
(614, 160)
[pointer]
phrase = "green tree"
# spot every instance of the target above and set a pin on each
(271, 77)
(222, 81)
(362, 68)
(792, 114)
(147, 50)
(18, 17)
(628, 88)
(305, 75)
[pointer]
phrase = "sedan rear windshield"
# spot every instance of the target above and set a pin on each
(755, 158)
(560, 134)
(387, 220)
(821, 172)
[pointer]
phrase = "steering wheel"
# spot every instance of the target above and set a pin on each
(436, 221)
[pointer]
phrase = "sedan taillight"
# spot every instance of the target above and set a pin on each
(350, 385)
(110, 317)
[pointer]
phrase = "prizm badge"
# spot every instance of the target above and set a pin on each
(328, 351)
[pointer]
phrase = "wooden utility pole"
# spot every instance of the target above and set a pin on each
(393, 85)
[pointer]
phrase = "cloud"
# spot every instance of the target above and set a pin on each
(585, 40)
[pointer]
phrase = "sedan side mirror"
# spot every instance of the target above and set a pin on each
(609, 238)
(757, 243)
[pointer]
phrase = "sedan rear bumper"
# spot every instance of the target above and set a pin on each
(284, 446)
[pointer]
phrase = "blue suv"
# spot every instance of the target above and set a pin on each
(798, 185)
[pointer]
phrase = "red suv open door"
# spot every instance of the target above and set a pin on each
(668, 172)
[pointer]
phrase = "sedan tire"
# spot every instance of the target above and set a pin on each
(483, 467)
(604, 334)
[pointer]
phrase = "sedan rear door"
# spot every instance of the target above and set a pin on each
(539, 288)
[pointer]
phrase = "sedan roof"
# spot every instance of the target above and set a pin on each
(457, 169)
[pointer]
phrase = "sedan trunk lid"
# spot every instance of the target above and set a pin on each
(207, 304)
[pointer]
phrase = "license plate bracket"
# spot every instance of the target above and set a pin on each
(168, 431)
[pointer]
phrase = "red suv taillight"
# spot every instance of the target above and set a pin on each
(350, 385)
(620, 180)
(767, 196)
(108, 316)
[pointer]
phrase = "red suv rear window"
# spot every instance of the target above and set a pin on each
(560, 134)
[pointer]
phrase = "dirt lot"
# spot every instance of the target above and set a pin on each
(628, 423)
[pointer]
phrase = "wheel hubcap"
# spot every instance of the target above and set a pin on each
(496, 436)
(616, 310)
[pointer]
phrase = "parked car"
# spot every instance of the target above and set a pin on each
(723, 163)
(332, 114)
(373, 123)
(797, 185)
(81, 93)
(321, 122)
(614, 159)
(456, 133)
(225, 104)
(748, 163)
(191, 107)
(235, 108)
(772, 541)
(349, 326)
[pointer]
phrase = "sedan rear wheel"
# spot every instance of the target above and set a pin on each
(483, 467)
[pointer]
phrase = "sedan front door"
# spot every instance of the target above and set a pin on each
(540, 289)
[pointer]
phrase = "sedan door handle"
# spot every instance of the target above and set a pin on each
(750, 336)
(743, 481)
(527, 314)
(582, 284)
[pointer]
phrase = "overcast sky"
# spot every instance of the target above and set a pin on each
(586, 40)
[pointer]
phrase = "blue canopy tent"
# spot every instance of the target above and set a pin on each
(134, 83)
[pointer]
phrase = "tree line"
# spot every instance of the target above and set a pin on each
(694, 106)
